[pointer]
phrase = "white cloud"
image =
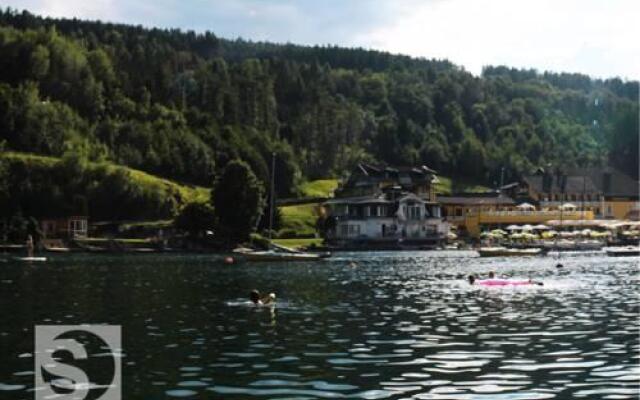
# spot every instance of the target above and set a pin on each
(594, 37)
(94, 9)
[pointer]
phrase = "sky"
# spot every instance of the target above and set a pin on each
(594, 37)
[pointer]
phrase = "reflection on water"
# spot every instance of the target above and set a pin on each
(398, 325)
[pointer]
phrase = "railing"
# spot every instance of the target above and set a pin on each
(523, 213)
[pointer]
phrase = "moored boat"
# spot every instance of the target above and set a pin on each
(626, 251)
(508, 252)
(572, 245)
(30, 259)
(276, 255)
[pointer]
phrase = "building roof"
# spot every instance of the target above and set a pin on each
(620, 184)
(368, 173)
(574, 184)
(359, 200)
(607, 180)
(477, 199)
(412, 197)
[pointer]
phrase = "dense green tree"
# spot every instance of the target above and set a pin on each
(238, 198)
(183, 105)
(195, 219)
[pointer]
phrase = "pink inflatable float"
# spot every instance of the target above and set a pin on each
(503, 282)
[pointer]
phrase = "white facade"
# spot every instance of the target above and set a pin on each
(413, 219)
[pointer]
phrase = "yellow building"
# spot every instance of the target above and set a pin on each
(477, 222)
(606, 192)
(473, 213)
(457, 208)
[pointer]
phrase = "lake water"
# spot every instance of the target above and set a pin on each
(399, 325)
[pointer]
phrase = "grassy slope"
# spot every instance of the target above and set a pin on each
(319, 188)
(189, 193)
(302, 218)
(298, 243)
(449, 185)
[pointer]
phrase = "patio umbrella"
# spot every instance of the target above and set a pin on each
(527, 227)
(513, 228)
(541, 227)
(526, 206)
(499, 232)
(568, 206)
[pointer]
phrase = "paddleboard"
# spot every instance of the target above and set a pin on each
(30, 259)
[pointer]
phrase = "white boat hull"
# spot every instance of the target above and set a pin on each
(506, 252)
(30, 259)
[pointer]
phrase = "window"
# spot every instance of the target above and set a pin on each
(458, 212)
(354, 230)
(414, 212)
(367, 210)
(344, 230)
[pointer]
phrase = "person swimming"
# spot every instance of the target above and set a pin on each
(258, 300)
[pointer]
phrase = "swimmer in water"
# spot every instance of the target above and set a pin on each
(492, 274)
(258, 300)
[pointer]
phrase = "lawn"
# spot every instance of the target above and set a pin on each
(298, 243)
(188, 193)
(448, 185)
(319, 188)
(300, 218)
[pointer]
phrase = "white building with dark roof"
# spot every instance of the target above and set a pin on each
(383, 207)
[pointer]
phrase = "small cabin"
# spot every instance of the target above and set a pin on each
(65, 228)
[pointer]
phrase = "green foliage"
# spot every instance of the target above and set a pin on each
(238, 200)
(447, 185)
(624, 142)
(299, 243)
(300, 219)
(319, 188)
(51, 187)
(183, 105)
(195, 218)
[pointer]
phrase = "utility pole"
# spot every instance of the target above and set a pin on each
(272, 193)
(584, 189)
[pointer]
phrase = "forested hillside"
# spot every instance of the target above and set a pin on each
(181, 105)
